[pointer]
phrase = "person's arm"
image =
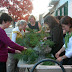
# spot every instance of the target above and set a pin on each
(45, 38)
(5, 39)
(61, 58)
(62, 49)
(40, 28)
(10, 50)
(59, 52)
(55, 35)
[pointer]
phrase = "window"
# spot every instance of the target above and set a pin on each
(63, 10)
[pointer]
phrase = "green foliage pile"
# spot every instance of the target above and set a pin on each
(29, 56)
(31, 40)
(45, 43)
(49, 62)
(43, 34)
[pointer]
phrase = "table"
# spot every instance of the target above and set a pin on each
(23, 67)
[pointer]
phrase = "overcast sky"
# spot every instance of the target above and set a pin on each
(40, 6)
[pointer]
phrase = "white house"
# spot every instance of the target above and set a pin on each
(60, 8)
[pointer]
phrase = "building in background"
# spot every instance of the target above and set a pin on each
(60, 8)
(41, 19)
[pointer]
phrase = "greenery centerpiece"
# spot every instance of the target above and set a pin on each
(38, 48)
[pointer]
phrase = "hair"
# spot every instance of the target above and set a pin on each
(5, 17)
(31, 16)
(51, 21)
(59, 17)
(21, 22)
(66, 20)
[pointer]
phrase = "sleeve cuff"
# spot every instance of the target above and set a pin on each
(64, 45)
(11, 50)
(69, 54)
